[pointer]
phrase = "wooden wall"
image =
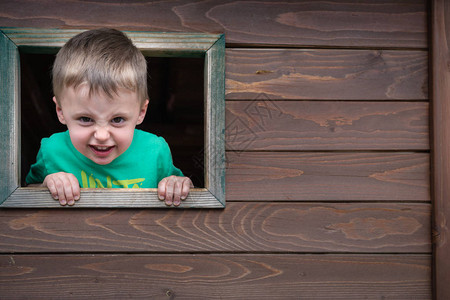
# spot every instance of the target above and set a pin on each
(328, 164)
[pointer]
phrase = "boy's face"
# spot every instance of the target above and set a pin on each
(100, 128)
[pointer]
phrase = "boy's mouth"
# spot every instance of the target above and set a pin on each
(101, 150)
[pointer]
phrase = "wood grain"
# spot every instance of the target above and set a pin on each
(324, 125)
(214, 112)
(267, 243)
(241, 227)
(41, 40)
(9, 120)
(388, 23)
(441, 145)
(327, 74)
(316, 176)
(215, 276)
(109, 197)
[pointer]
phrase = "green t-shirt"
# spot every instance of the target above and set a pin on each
(142, 165)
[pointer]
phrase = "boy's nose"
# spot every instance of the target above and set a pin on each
(101, 133)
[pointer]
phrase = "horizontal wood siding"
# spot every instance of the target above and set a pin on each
(328, 164)
(327, 74)
(386, 23)
(263, 125)
(253, 276)
(241, 227)
(293, 176)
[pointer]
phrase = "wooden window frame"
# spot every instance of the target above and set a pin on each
(39, 40)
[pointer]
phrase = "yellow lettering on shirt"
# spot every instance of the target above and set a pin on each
(128, 182)
(92, 182)
(84, 182)
(99, 183)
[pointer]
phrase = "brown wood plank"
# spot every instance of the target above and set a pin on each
(325, 125)
(441, 145)
(389, 23)
(326, 74)
(241, 227)
(215, 276)
(316, 176)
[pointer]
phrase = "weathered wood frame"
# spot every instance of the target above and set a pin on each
(209, 46)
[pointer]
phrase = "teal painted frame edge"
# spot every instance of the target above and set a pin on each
(209, 46)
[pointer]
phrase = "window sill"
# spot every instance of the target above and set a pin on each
(32, 197)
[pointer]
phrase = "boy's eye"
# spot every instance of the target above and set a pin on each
(85, 120)
(118, 120)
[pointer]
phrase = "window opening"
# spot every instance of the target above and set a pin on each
(175, 110)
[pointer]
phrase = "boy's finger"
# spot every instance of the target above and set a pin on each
(177, 193)
(185, 189)
(70, 198)
(59, 185)
(67, 190)
(162, 189)
(52, 188)
(169, 191)
(75, 187)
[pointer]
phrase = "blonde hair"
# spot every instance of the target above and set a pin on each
(105, 59)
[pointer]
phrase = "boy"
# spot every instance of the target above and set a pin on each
(100, 87)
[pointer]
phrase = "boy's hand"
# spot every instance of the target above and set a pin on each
(173, 189)
(63, 187)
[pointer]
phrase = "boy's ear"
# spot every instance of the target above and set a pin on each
(142, 112)
(59, 112)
